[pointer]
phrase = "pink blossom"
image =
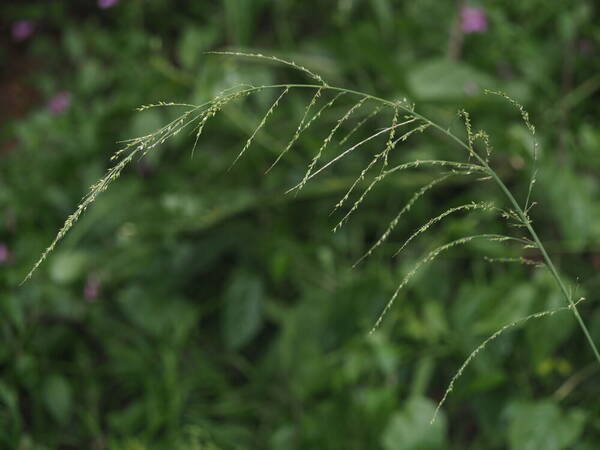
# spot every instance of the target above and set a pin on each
(59, 102)
(105, 4)
(91, 288)
(472, 20)
(22, 29)
(4, 253)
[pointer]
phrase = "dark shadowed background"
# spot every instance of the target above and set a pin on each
(198, 308)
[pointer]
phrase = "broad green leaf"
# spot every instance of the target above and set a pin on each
(543, 336)
(410, 429)
(156, 314)
(384, 12)
(572, 200)
(67, 266)
(506, 308)
(442, 80)
(193, 43)
(534, 426)
(243, 315)
(58, 398)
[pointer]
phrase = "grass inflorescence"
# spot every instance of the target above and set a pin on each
(405, 122)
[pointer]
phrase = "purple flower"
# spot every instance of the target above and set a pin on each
(91, 288)
(472, 20)
(22, 29)
(4, 253)
(105, 4)
(59, 102)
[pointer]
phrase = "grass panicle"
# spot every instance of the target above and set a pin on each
(327, 140)
(306, 125)
(196, 117)
(456, 168)
(516, 259)
(359, 125)
(485, 138)
(343, 155)
(483, 206)
(383, 154)
(260, 125)
(162, 104)
(467, 119)
(217, 105)
(271, 58)
(531, 128)
(112, 174)
(389, 146)
(299, 129)
(416, 196)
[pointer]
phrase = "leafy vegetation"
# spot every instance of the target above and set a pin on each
(193, 307)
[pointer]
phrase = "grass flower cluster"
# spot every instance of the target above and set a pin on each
(472, 160)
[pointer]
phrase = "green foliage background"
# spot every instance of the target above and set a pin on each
(228, 315)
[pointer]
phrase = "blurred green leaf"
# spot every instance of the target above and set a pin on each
(446, 80)
(74, 44)
(193, 43)
(58, 397)
(243, 310)
(506, 307)
(157, 314)
(384, 12)
(572, 203)
(544, 336)
(147, 122)
(410, 429)
(67, 266)
(534, 426)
